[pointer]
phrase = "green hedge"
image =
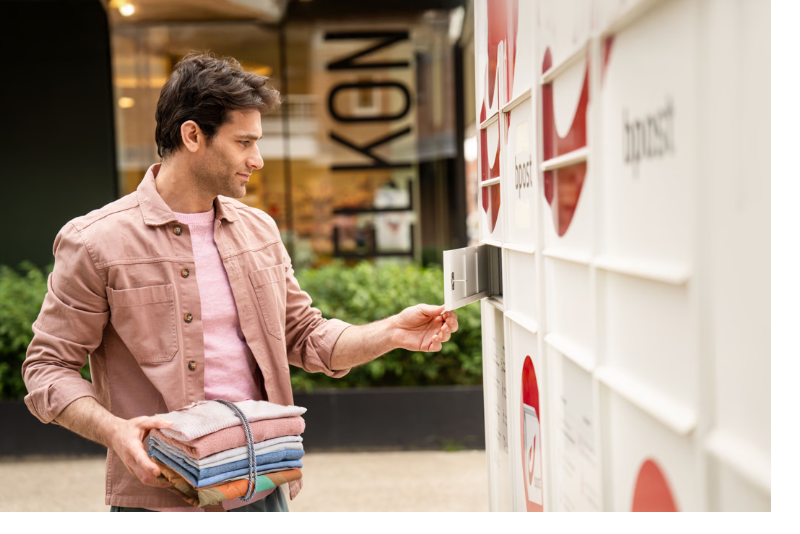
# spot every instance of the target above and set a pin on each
(21, 294)
(357, 295)
(367, 293)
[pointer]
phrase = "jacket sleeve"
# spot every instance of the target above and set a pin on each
(69, 327)
(309, 337)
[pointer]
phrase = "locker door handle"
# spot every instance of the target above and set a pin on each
(453, 281)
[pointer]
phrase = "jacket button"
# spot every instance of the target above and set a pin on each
(188, 317)
(185, 273)
(177, 230)
(192, 365)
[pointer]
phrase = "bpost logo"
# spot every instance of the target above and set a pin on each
(651, 136)
(522, 172)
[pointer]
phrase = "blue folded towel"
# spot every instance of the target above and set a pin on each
(191, 474)
(207, 472)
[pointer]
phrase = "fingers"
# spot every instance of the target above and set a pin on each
(437, 339)
(444, 333)
(435, 345)
(451, 319)
(430, 310)
(442, 336)
(148, 423)
(140, 466)
(449, 324)
(144, 461)
(146, 470)
(129, 447)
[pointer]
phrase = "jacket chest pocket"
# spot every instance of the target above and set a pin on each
(145, 320)
(270, 288)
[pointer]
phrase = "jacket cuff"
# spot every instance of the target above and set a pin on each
(326, 336)
(47, 402)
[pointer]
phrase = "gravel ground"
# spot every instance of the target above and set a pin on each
(358, 482)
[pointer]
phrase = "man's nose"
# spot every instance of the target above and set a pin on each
(255, 162)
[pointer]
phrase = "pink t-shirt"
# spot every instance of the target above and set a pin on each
(230, 368)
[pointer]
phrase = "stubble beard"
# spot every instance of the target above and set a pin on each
(214, 177)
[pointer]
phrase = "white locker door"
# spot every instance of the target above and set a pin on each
(467, 276)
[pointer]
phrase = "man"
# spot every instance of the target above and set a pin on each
(179, 293)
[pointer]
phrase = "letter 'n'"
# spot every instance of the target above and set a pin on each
(348, 62)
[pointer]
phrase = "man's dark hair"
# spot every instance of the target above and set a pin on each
(205, 89)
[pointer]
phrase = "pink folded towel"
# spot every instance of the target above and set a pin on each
(232, 437)
(204, 417)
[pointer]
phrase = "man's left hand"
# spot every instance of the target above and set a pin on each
(424, 327)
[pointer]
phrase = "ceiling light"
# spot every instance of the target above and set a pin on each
(266, 70)
(126, 10)
(126, 102)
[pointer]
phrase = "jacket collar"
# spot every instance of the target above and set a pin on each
(156, 212)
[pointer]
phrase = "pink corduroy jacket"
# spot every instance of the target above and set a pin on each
(123, 291)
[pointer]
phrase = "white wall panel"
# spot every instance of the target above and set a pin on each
(496, 408)
(569, 313)
(522, 276)
(521, 188)
(648, 334)
(526, 407)
(649, 136)
(668, 483)
(576, 452)
(635, 254)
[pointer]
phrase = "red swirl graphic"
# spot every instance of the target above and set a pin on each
(502, 22)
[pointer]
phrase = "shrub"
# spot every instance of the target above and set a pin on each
(367, 293)
(357, 295)
(21, 295)
(22, 292)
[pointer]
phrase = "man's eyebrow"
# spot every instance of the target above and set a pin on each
(250, 136)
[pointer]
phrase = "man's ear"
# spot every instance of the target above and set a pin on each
(191, 135)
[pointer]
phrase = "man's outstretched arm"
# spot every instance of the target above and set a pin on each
(422, 328)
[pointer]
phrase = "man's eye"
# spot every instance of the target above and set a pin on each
(245, 143)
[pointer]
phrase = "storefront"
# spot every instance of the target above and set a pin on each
(363, 160)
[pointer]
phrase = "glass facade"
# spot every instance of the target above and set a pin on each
(362, 159)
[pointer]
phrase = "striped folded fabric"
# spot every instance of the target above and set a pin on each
(277, 461)
(205, 453)
(231, 455)
(234, 437)
(231, 489)
(205, 417)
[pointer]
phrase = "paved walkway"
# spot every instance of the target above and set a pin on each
(358, 482)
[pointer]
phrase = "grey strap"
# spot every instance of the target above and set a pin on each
(251, 455)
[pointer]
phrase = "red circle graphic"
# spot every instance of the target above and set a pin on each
(533, 453)
(652, 493)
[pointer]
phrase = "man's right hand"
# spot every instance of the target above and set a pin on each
(87, 418)
(126, 440)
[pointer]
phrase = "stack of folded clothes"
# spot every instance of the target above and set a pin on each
(205, 452)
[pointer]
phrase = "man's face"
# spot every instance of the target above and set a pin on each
(223, 166)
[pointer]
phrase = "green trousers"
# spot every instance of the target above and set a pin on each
(274, 502)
